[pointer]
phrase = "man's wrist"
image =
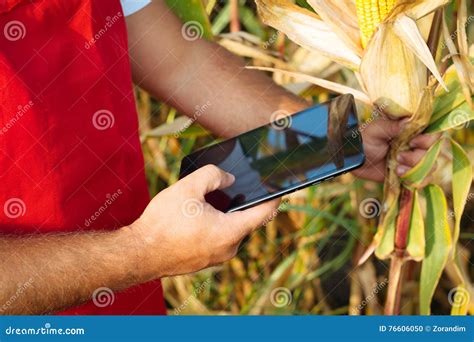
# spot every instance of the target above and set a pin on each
(140, 253)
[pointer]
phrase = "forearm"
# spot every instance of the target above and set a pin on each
(48, 273)
(233, 99)
(200, 78)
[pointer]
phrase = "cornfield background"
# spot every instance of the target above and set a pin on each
(305, 260)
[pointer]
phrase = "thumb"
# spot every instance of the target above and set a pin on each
(208, 178)
(386, 129)
(245, 222)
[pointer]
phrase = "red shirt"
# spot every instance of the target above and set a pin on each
(70, 154)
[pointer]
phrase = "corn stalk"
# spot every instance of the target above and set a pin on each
(391, 46)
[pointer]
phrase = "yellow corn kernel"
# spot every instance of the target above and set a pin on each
(370, 14)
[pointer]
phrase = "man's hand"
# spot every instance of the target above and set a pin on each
(377, 137)
(182, 233)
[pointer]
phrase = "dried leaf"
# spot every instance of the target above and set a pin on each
(407, 30)
(341, 16)
(335, 87)
(460, 66)
(307, 30)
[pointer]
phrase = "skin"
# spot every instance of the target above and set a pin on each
(63, 270)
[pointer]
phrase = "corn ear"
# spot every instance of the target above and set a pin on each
(392, 74)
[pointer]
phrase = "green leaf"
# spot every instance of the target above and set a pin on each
(387, 242)
(462, 179)
(446, 102)
(192, 12)
(221, 20)
(438, 245)
(416, 235)
(456, 118)
(419, 172)
(250, 21)
(460, 300)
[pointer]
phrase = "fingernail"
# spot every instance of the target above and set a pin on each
(403, 122)
(401, 170)
(412, 144)
(231, 176)
(400, 158)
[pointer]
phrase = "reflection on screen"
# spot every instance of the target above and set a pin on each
(288, 153)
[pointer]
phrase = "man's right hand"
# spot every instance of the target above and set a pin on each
(181, 233)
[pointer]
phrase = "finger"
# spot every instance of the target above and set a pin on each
(411, 158)
(424, 141)
(208, 178)
(246, 221)
(401, 170)
(385, 129)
